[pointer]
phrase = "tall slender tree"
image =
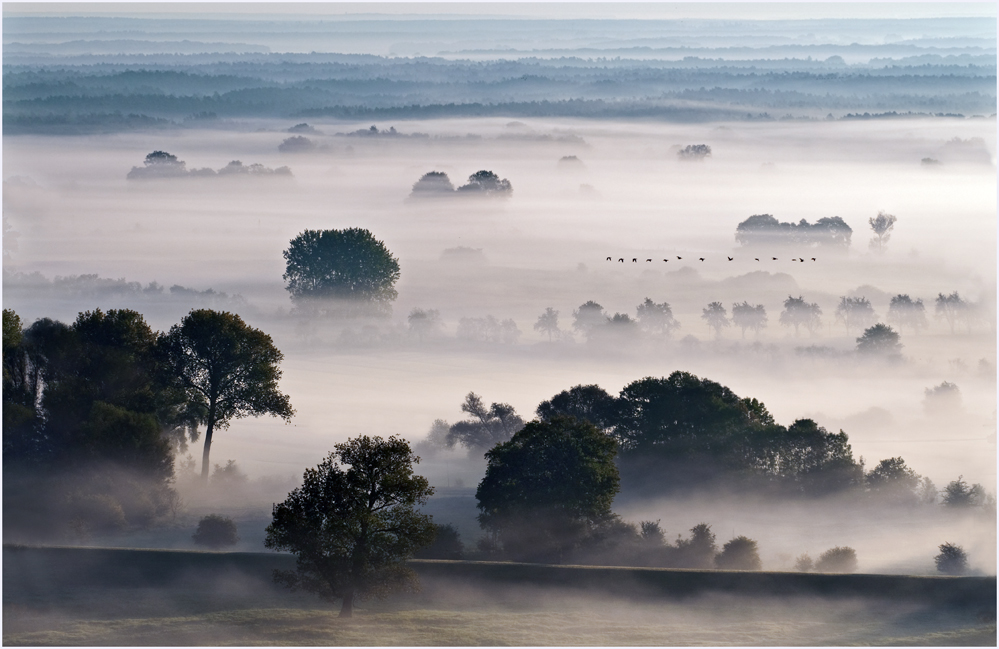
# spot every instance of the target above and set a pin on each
(227, 369)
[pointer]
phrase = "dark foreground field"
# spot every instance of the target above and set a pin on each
(76, 596)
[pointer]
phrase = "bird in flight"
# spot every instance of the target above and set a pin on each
(775, 259)
(701, 258)
(609, 259)
(679, 257)
(621, 260)
(666, 260)
(730, 258)
(756, 258)
(647, 260)
(813, 258)
(634, 260)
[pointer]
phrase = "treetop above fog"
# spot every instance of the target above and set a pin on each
(765, 230)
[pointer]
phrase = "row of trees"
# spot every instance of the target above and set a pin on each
(94, 411)
(830, 233)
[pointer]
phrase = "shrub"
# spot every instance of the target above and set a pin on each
(739, 554)
(837, 560)
(216, 531)
(803, 563)
(952, 560)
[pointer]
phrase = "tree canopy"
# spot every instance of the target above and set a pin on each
(763, 230)
(548, 487)
(350, 266)
(227, 370)
(486, 427)
(354, 522)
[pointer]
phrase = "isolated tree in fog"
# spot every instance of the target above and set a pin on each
(424, 323)
(547, 488)
(746, 316)
(694, 152)
(433, 183)
(716, 316)
(951, 308)
(227, 369)
(881, 225)
(952, 560)
(587, 317)
(657, 319)
(798, 313)
(487, 426)
(216, 531)
(350, 265)
(904, 313)
(893, 480)
(838, 559)
(959, 494)
(740, 553)
(354, 522)
(548, 323)
(486, 183)
(879, 340)
(855, 312)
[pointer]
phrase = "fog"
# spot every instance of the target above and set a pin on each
(71, 211)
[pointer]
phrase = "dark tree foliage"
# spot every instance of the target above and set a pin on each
(86, 408)
(657, 319)
(952, 560)
(903, 312)
(798, 313)
(879, 340)
(716, 316)
(838, 559)
(694, 152)
(805, 459)
(350, 266)
(739, 554)
(548, 488)
(447, 545)
(960, 494)
(763, 230)
(586, 402)
(698, 551)
(354, 522)
(487, 426)
(486, 183)
(216, 531)
(894, 481)
(227, 370)
(587, 317)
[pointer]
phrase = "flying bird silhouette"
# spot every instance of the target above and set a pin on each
(634, 260)
(648, 260)
(621, 260)
(679, 257)
(813, 258)
(730, 259)
(609, 259)
(775, 259)
(701, 258)
(757, 258)
(666, 260)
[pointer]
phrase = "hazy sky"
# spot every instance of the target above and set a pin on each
(593, 10)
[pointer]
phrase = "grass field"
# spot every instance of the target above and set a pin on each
(127, 597)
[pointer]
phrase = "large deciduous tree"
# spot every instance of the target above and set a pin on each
(855, 312)
(716, 317)
(227, 369)
(747, 316)
(881, 225)
(798, 313)
(548, 488)
(353, 523)
(349, 267)
(486, 427)
(904, 312)
(879, 340)
(657, 319)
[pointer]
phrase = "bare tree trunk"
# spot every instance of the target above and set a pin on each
(347, 610)
(204, 455)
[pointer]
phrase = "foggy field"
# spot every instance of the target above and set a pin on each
(152, 598)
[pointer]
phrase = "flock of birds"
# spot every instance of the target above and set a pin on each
(635, 259)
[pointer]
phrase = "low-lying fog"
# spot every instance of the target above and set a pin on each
(73, 212)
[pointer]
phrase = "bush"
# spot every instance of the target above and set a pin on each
(837, 560)
(803, 563)
(952, 560)
(216, 531)
(739, 554)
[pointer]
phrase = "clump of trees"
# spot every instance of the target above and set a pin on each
(763, 230)
(341, 272)
(952, 560)
(436, 184)
(880, 340)
(906, 313)
(93, 413)
(485, 427)
(838, 559)
(797, 313)
(694, 152)
(354, 522)
(160, 164)
(216, 531)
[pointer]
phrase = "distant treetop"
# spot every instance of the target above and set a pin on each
(764, 230)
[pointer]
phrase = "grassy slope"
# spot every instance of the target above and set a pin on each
(109, 597)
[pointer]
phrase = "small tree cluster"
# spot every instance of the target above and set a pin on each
(435, 184)
(216, 531)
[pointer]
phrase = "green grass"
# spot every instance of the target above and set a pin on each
(124, 597)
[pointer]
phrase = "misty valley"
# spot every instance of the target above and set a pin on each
(323, 328)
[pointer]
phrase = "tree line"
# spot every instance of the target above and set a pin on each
(94, 411)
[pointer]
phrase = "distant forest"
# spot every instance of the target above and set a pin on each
(91, 93)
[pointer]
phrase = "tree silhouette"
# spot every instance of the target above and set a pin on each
(838, 559)
(739, 554)
(433, 183)
(879, 340)
(348, 265)
(587, 317)
(547, 488)
(855, 312)
(959, 494)
(699, 550)
(952, 560)
(548, 323)
(486, 183)
(891, 479)
(746, 316)
(424, 323)
(227, 370)
(694, 152)
(587, 402)
(798, 313)
(716, 316)
(951, 308)
(903, 312)
(486, 427)
(353, 523)
(216, 531)
(657, 319)
(881, 225)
